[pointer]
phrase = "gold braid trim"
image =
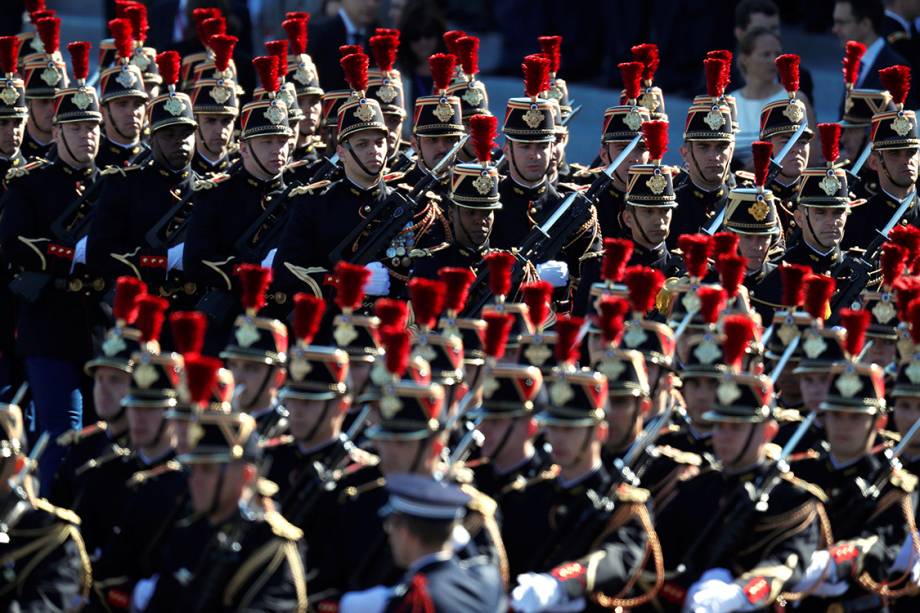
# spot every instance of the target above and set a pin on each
(485, 508)
(827, 539)
(271, 555)
(883, 588)
(42, 548)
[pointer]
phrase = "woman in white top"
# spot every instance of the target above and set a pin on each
(757, 51)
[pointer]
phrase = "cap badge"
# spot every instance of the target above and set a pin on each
(707, 351)
(649, 100)
(276, 113)
(537, 354)
(633, 119)
(300, 367)
(247, 334)
(691, 301)
(195, 434)
(794, 111)
(9, 95)
(830, 184)
(174, 106)
(145, 375)
(884, 311)
(612, 369)
(386, 92)
(364, 112)
(345, 334)
(50, 75)
(304, 75)
(473, 95)
(484, 184)
(901, 125)
(390, 405)
(489, 387)
(759, 210)
(140, 59)
(635, 336)
(849, 384)
(657, 183)
(125, 78)
(714, 119)
(848, 104)
(913, 371)
(534, 117)
(444, 111)
(814, 346)
(82, 99)
(728, 392)
(561, 392)
(114, 344)
(555, 92)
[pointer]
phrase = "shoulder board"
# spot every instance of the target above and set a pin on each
(364, 458)
(479, 502)
(63, 514)
(278, 441)
(890, 436)
(209, 183)
(404, 186)
(896, 36)
(145, 475)
(393, 176)
(298, 164)
(805, 486)
(522, 483)
(312, 188)
(681, 457)
(21, 171)
(744, 175)
(630, 493)
(282, 527)
(354, 491)
(787, 415)
(904, 480)
(573, 187)
(576, 166)
(75, 436)
(118, 170)
(587, 172)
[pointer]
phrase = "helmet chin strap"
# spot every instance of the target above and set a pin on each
(504, 439)
(319, 422)
(204, 144)
(589, 435)
(515, 164)
(360, 164)
(699, 169)
(642, 233)
(466, 234)
(890, 176)
(814, 235)
(260, 390)
(67, 146)
(747, 444)
(259, 163)
(629, 433)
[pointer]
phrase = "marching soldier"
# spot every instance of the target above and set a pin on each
(302, 74)
(45, 74)
(13, 109)
(215, 104)
(474, 98)
(385, 86)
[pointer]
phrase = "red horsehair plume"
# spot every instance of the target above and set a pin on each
(387, 32)
(299, 15)
(643, 283)
(201, 373)
(254, 282)
(550, 47)
(567, 329)
(124, 41)
(788, 67)
(716, 77)
(647, 53)
(537, 297)
(9, 51)
(391, 312)
(906, 290)
(830, 141)
(211, 27)
(267, 68)
(792, 277)
(468, 55)
(188, 328)
(35, 5)
(896, 79)
(127, 291)
(631, 74)
(712, 300)
(151, 311)
(37, 15)
(450, 40)
(121, 6)
(457, 281)
(818, 292)
(349, 285)
(483, 129)
(500, 264)
(279, 48)
(384, 49)
(909, 238)
(852, 57)
(427, 296)
(761, 151)
(200, 14)
(536, 75)
(296, 30)
(349, 50)
(732, 268)
(79, 59)
(498, 326)
(137, 13)
(308, 313)
(719, 54)
(168, 66)
(696, 249)
(855, 323)
(223, 45)
(913, 316)
(611, 311)
(739, 332)
(655, 133)
(396, 346)
(617, 252)
(724, 243)
(892, 261)
(442, 70)
(355, 66)
(49, 31)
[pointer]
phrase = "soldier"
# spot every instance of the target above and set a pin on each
(45, 74)
(385, 86)
(302, 74)
(13, 109)
(215, 104)
(53, 323)
(123, 103)
(474, 98)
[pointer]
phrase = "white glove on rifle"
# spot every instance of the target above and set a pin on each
(821, 566)
(554, 272)
(716, 592)
(537, 592)
(378, 284)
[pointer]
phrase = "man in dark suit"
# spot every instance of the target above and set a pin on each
(352, 25)
(900, 29)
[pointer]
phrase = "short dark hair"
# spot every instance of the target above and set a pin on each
(873, 10)
(746, 8)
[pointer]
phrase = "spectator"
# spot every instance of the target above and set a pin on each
(423, 30)
(352, 24)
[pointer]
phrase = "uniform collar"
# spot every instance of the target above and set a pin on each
(112, 143)
(267, 184)
(519, 188)
(78, 172)
(372, 191)
(905, 25)
(428, 560)
(178, 175)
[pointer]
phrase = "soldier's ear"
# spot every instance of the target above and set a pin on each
(874, 159)
(645, 405)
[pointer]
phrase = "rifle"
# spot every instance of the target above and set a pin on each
(17, 493)
(265, 232)
(329, 167)
(854, 179)
(406, 159)
(73, 222)
(389, 217)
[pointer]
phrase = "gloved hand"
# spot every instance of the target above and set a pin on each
(821, 569)
(378, 284)
(554, 272)
(907, 560)
(715, 592)
(536, 592)
(366, 601)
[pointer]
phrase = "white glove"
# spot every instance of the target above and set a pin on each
(378, 284)
(554, 272)
(906, 559)
(366, 601)
(821, 565)
(715, 592)
(537, 592)
(174, 257)
(79, 253)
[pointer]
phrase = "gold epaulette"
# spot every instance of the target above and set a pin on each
(573, 187)
(787, 415)
(144, 475)
(904, 480)
(312, 188)
(21, 171)
(298, 164)
(811, 488)
(282, 527)
(631, 493)
(522, 483)
(209, 183)
(278, 441)
(393, 176)
(587, 172)
(668, 292)
(744, 175)
(63, 514)
(114, 169)
(364, 458)
(75, 436)
(353, 491)
(681, 457)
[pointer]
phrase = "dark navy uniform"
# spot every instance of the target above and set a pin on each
(449, 585)
(34, 150)
(206, 168)
(454, 255)
(659, 257)
(113, 154)
(866, 220)
(83, 446)
(609, 205)
(496, 484)
(696, 208)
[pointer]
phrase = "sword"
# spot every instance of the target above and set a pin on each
(860, 162)
(784, 359)
(776, 162)
(905, 204)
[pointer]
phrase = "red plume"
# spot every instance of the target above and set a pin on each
(852, 58)
(396, 345)
(483, 129)
(9, 52)
(788, 67)
(37, 15)
(151, 311)
(300, 16)
(913, 317)
(355, 68)
(720, 54)
(611, 311)
(617, 252)
(450, 40)
(349, 284)
(35, 5)
(643, 283)
(892, 262)
(724, 243)
(647, 53)
(296, 30)
(830, 141)
(739, 331)
(631, 73)
(896, 79)
(567, 329)
(537, 297)
(536, 74)
(550, 46)
(127, 291)
(201, 377)
(696, 249)
(188, 328)
(308, 313)
(761, 152)
(468, 55)
(909, 238)
(427, 296)
(384, 49)
(906, 290)
(124, 39)
(855, 323)
(200, 14)
(442, 70)
(267, 68)
(211, 27)
(279, 48)
(79, 59)
(498, 326)
(223, 45)
(500, 264)
(792, 277)
(716, 77)
(457, 281)
(137, 13)
(254, 282)
(49, 31)
(818, 292)
(391, 312)
(168, 66)
(655, 134)
(349, 50)
(712, 301)
(732, 268)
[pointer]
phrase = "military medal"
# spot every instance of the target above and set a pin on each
(561, 392)
(174, 106)
(534, 117)
(901, 125)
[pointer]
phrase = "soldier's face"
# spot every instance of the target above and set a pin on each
(153, 90)
(174, 145)
(846, 26)
(882, 351)
(316, 419)
(821, 226)
(109, 387)
(362, 12)
(788, 386)
(530, 160)
(700, 396)
(850, 435)
(311, 106)
(901, 164)
(797, 158)
(398, 456)
(81, 138)
(124, 118)
(814, 387)
(370, 148)
(906, 412)
(204, 480)
(270, 151)
(710, 159)
(733, 444)
(41, 111)
(394, 124)
(11, 133)
(571, 444)
(610, 151)
(432, 149)
(252, 377)
(559, 149)
(852, 141)
(495, 429)
(755, 249)
(214, 132)
(472, 225)
(650, 226)
(144, 425)
(623, 417)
